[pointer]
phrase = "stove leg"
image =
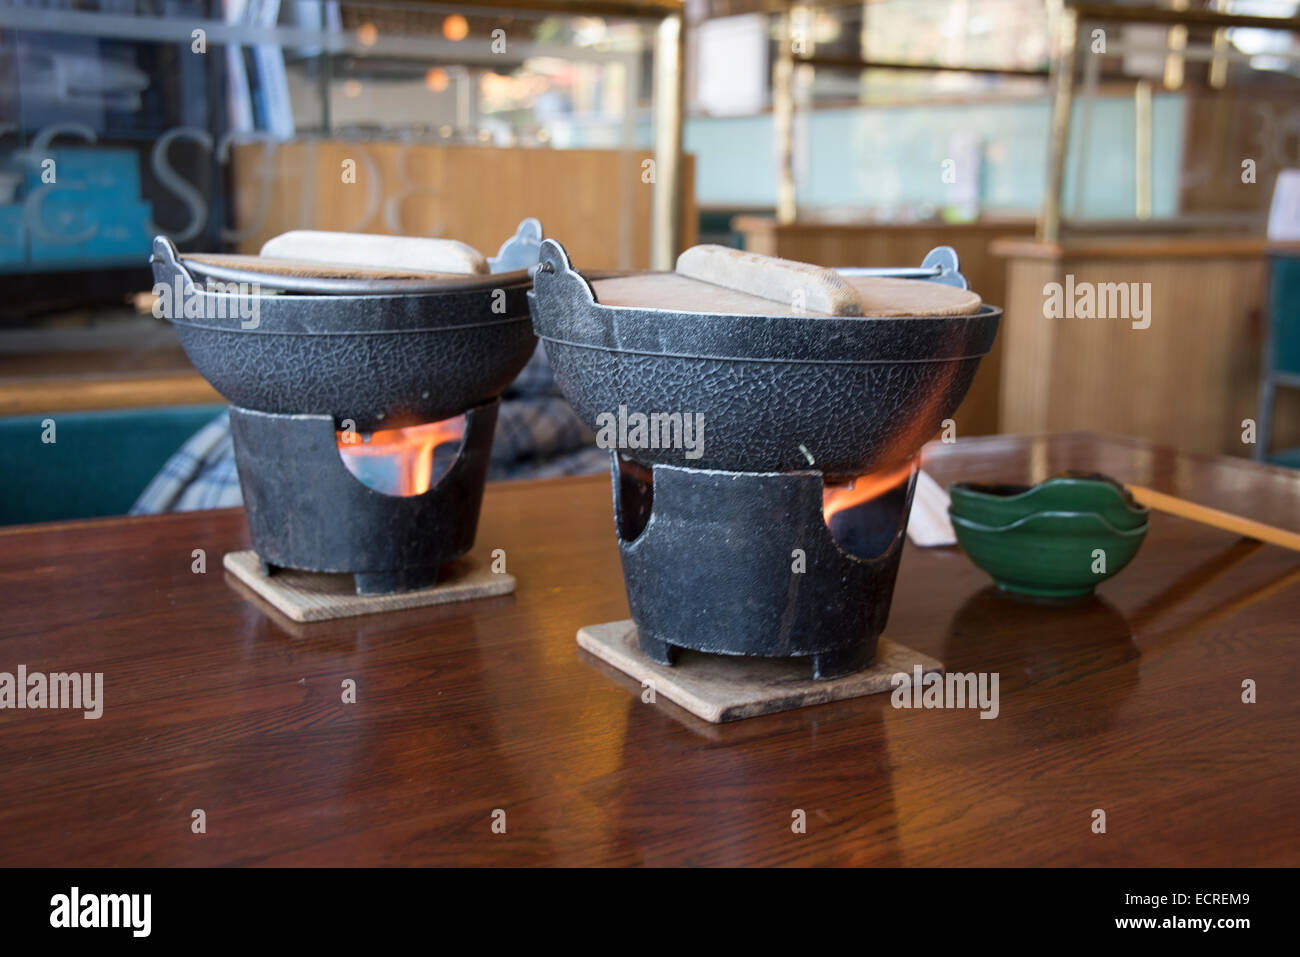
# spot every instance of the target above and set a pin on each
(844, 661)
(402, 579)
(657, 651)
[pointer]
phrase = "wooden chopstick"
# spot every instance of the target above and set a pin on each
(1246, 527)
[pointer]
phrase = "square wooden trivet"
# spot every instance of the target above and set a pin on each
(721, 688)
(320, 596)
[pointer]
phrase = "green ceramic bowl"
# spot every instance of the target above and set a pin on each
(998, 505)
(1052, 554)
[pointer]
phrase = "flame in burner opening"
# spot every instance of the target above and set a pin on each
(836, 498)
(398, 461)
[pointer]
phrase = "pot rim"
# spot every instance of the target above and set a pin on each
(566, 311)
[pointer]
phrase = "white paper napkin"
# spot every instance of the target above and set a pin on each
(929, 526)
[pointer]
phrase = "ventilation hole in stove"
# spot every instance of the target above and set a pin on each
(402, 462)
(636, 492)
(865, 516)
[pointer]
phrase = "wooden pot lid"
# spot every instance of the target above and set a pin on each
(354, 263)
(715, 279)
(320, 254)
(309, 269)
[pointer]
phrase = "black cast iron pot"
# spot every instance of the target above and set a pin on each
(384, 354)
(846, 396)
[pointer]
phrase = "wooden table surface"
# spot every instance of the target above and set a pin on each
(1130, 702)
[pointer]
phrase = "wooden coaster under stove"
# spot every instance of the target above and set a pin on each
(719, 688)
(318, 596)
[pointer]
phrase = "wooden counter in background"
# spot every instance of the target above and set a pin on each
(595, 201)
(1188, 380)
(123, 391)
(85, 360)
(886, 244)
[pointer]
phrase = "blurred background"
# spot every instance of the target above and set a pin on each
(1107, 142)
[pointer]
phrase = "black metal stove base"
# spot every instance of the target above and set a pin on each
(739, 563)
(306, 511)
(825, 665)
(377, 583)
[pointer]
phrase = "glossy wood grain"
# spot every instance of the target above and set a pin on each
(1129, 702)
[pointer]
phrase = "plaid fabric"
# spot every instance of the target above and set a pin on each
(201, 474)
(537, 436)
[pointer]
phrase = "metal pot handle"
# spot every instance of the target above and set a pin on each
(556, 280)
(940, 265)
(521, 250)
(166, 255)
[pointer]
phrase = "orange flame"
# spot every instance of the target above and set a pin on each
(836, 498)
(410, 451)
